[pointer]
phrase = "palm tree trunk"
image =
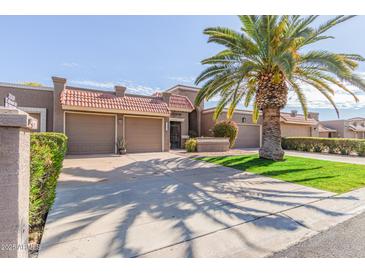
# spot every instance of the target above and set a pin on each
(271, 135)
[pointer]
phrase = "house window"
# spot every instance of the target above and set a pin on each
(243, 119)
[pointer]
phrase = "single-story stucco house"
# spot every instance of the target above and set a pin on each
(249, 135)
(350, 128)
(95, 119)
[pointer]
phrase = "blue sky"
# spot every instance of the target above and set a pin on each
(145, 53)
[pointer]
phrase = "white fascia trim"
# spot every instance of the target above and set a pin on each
(43, 114)
(183, 87)
(76, 108)
(210, 110)
(177, 119)
(180, 109)
(299, 124)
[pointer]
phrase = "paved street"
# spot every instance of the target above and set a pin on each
(346, 240)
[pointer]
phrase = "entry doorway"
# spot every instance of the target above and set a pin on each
(175, 135)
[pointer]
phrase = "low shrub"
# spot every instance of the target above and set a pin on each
(228, 129)
(190, 145)
(342, 146)
(47, 152)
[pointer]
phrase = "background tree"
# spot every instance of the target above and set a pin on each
(267, 58)
(32, 84)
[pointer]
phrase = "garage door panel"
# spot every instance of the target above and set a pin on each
(90, 133)
(295, 130)
(248, 136)
(143, 134)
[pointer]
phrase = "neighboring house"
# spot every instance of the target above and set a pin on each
(95, 119)
(250, 134)
(350, 128)
(326, 132)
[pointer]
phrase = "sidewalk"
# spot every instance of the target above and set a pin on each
(328, 157)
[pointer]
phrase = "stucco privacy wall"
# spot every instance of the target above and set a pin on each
(14, 182)
(33, 97)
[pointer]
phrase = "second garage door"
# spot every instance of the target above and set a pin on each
(295, 130)
(90, 133)
(248, 136)
(143, 134)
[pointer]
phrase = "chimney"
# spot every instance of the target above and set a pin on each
(293, 113)
(59, 85)
(313, 115)
(120, 91)
(166, 97)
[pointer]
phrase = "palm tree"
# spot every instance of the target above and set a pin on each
(264, 60)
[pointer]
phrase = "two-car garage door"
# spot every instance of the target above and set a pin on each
(143, 134)
(248, 136)
(91, 133)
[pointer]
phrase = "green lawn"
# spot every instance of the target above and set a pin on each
(331, 176)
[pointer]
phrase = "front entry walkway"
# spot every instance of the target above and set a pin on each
(166, 205)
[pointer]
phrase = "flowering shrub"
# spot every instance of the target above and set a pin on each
(226, 129)
(190, 145)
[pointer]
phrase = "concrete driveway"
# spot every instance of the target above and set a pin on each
(166, 205)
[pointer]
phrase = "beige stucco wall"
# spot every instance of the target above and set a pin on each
(185, 123)
(196, 123)
(324, 134)
(166, 134)
(31, 97)
(208, 122)
(338, 125)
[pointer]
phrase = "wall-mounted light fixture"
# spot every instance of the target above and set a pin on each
(167, 126)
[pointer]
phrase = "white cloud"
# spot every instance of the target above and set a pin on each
(182, 79)
(131, 86)
(315, 99)
(342, 99)
(70, 65)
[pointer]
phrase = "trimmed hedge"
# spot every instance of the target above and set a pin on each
(344, 146)
(47, 151)
(190, 145)
(228, 129)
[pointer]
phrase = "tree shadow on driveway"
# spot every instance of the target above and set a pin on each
(144, 205)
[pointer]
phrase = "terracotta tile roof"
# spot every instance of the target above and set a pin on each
(93, 99)
(178, 101)
(181, 102)
(297, 119)
(322, 128)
